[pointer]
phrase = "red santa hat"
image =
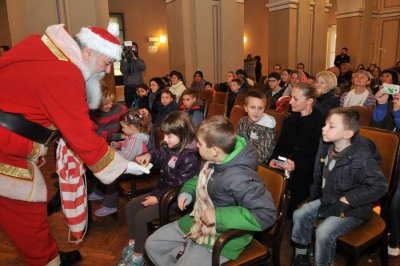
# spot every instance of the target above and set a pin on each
(101, 40)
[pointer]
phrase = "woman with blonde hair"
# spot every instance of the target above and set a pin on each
(327, 91)
(360, 94)
(299, 142)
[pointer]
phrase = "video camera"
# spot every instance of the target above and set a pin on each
(129, 50)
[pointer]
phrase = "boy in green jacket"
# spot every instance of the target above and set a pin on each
(227, 194)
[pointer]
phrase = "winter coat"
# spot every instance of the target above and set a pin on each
(384, 117)
(299, 142)
(327, 101)
(164, 111)
(356, 175)
(195, 112)
(175, 167)
(239, 197)
(261, 134)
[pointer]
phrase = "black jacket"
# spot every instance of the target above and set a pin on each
(356, 176)
(299, 142)
(327, 101)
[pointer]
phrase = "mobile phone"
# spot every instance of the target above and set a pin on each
(281, 161)
(391, 88)
(127, 43)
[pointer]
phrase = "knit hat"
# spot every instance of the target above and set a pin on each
(101, 40)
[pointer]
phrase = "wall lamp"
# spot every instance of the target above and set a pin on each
(160, 39)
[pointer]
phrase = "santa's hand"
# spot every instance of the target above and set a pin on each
(136, 169)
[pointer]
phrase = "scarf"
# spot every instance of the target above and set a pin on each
(354, 99)
(200, 232)
(73, 191)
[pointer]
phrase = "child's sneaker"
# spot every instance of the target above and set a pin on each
(127, 252)
(104, 211)
(301, 260)
(137, 261)
(94, 196)
(393, 251)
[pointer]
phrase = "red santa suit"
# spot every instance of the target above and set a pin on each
(43, 78)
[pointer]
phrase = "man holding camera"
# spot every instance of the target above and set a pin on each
(132, 68)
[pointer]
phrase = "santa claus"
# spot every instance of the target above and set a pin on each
(48, 83)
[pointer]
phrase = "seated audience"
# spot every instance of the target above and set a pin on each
(227, 194)
(178, 161)
(177, 86)
(236, 87)
(359, 95)
(328, 92)
(192, 107)
(298, 143)
(226, 86)
(347, 181)
(198, 81)
(275, 91)
(257, 126)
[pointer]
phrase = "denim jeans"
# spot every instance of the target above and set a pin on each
(325, 235)
(394, 227)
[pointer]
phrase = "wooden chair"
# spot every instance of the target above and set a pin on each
(220, 97)
(375, 231)
(237, 113)
(216, 109)
(279, 118)
(240, 99)
(206, 95)
(257, 252)
(365, 115)
(267, 102)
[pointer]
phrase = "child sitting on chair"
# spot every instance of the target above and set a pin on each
(257, 126)
(192, 106)
(177, 160)
(135, 128)
(347, 181)
(227, 194)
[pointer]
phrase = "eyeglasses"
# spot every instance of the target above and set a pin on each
(272, 80)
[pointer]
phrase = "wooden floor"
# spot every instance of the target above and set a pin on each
(107, 237)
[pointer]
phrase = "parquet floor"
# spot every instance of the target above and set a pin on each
(107, 237)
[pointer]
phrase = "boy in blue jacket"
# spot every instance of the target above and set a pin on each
(347, 181)
(227, 194)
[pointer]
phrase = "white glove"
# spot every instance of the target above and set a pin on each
(136, 169)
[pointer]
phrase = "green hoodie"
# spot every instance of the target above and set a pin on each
(230, 216)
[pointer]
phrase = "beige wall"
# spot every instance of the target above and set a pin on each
(143, 19)
(370, 29)
(5, 36)
(256, 31)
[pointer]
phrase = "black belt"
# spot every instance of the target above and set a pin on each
(28, 129)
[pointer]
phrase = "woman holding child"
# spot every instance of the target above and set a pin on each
(299, 142)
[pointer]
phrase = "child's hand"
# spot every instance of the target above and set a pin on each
(182, 203)
(114, 144)
(124, 136)
(208, 217)
(143, 111)
(143, 159)
(149, 201)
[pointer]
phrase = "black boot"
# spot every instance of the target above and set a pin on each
(70, 258)
(54, 205)
(301, 260)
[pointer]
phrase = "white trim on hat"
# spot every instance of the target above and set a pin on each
(99, 44)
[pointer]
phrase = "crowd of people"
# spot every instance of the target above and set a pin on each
(213, 161)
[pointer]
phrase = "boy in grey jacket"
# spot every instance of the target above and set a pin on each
(227, 194)
(347, 181)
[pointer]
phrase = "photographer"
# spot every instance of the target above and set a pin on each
(132, 68)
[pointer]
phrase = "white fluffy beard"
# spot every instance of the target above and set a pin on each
(93, 87)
